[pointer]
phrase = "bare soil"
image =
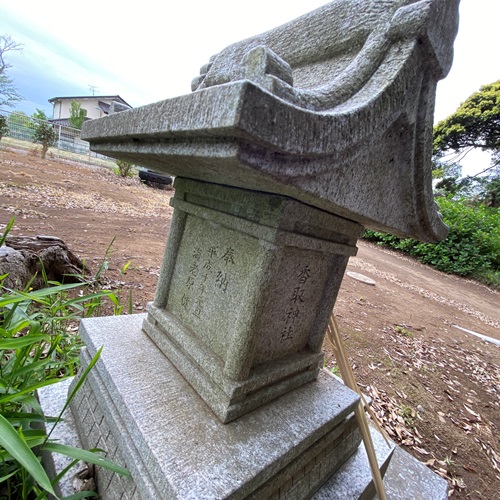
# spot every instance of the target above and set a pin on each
(434, 387)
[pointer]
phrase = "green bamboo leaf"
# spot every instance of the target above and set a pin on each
(35, 327)
(85, 298)
(18, 342)
(30, 434)
(27, 400)
(31, 437)
(7, 230)
(114, 299)
(18, 417)
(14, 328)
(31, 401)
(4, 478)
(11, 298)
(18, 448)
(86, 456)
(18, 396)
(35, 367)
(76, 388)
(35, 295)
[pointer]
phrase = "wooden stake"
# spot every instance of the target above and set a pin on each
(349, 380)
(366, 406)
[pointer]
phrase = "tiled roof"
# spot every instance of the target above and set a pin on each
(64, 122)
(104, 106)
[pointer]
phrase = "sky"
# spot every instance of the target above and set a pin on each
(148, 51)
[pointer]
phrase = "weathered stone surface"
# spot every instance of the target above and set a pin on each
(406, 474)
(354, 478)
(173, 444)
(245, 292)
(13, 263)
(403, 473)
(117, 107)
(327, 64)
(351, 136)
(52, 399)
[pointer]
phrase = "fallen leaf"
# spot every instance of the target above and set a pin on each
(472, 412)
(420, 450)
(469, 469)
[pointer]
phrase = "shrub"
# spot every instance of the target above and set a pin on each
(45, 135)
(124, 168)
(4, 128)
(472, 247)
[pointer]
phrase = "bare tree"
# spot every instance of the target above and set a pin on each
(8, 91)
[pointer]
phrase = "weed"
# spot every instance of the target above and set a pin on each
(403, 331)
(408, 414)
(387, 362)
(100, 280)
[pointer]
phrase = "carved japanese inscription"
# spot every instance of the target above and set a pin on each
(290, 315)
(204, 293)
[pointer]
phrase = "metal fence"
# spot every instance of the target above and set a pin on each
(21, 132)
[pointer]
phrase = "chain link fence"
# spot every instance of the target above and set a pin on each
(20, 133)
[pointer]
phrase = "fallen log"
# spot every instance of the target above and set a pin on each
(23, 257)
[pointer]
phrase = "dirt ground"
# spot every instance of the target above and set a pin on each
(434, 386)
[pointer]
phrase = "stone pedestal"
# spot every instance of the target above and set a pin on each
(137, 407)
(247, 286)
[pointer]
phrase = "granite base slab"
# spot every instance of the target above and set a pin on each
(405, 476)
(137, 403)
(52, 399)
(171, 461)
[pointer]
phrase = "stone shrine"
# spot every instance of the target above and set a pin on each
(246, 289)
(291, 144)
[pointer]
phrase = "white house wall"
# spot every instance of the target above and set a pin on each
(63, 106)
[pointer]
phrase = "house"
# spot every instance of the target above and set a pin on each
(95, 106)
